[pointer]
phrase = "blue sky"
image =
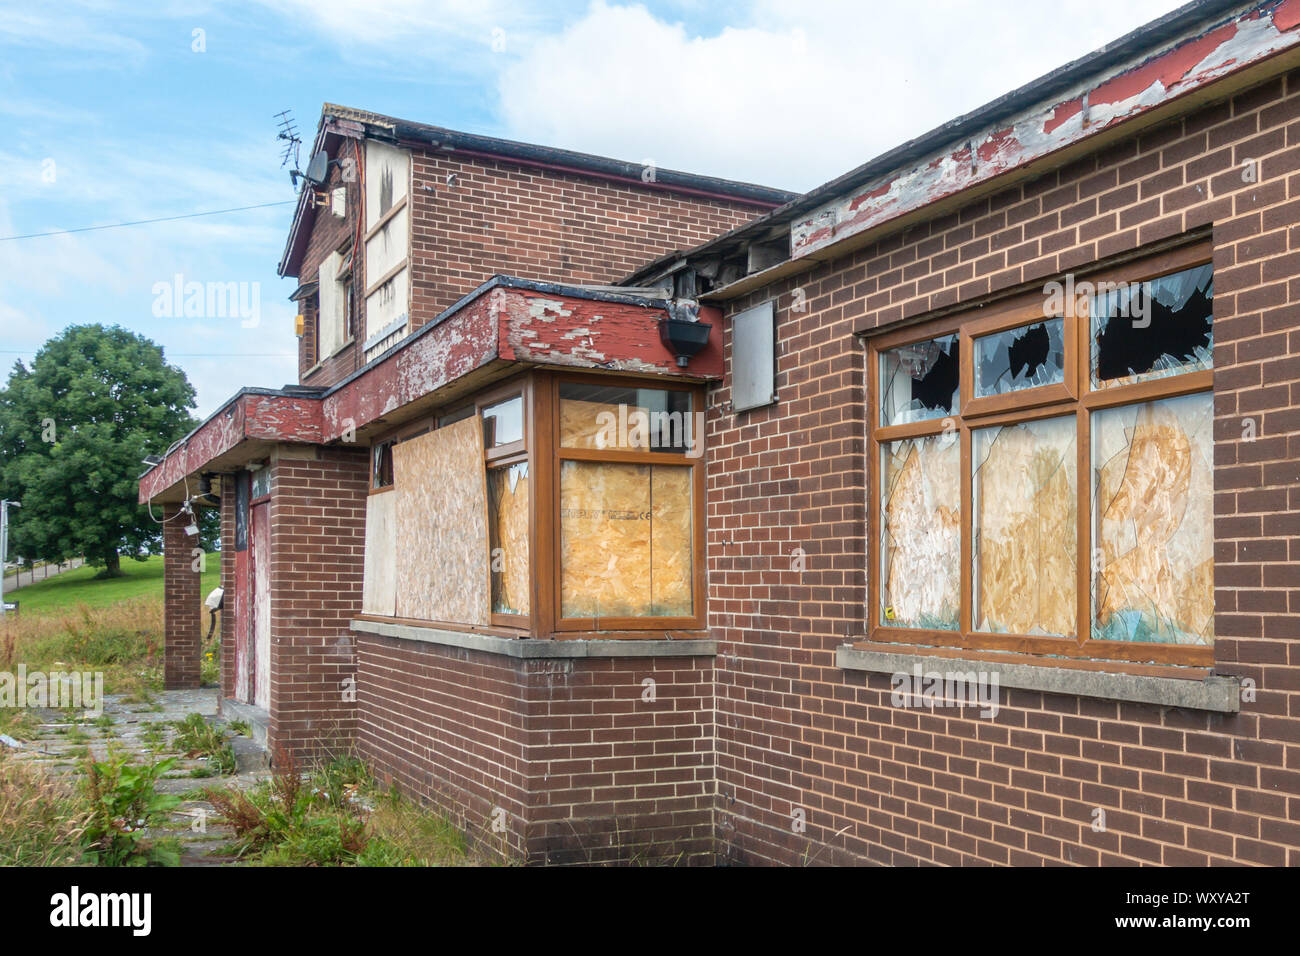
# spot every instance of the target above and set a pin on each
(128, 111)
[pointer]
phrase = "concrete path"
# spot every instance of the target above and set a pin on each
(144, 730)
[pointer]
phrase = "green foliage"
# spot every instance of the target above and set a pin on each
(124, 804)
(195, 737)
(42, 821)
(335, 817)
(73, 430)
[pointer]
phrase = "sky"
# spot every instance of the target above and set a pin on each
(117, 112)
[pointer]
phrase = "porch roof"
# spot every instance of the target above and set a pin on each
(505, 325)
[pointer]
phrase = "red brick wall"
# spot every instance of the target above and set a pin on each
(317, 551)
(182, 628)
(585, 770)
(502, 218)
(909, 786)
(505, 218)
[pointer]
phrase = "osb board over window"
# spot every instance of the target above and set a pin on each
(625, 532)
(1154, 514)
(379, 591)
(441, 525)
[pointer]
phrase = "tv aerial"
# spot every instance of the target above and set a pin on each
(292, 142)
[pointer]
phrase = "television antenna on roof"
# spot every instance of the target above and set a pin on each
(292, 141)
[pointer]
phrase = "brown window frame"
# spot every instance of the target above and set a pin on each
(548, 407)
(1074, 396)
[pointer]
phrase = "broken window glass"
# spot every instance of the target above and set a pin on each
(920, 532)
(1145, 330)
(261, 482)
(626, 418)
(507, 497)
(1025, 491)
(1027, 357)
(503, 423)
(381, 465)
(625, 540)
(919, 381)
(1153, 521)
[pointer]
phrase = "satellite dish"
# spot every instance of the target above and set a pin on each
(318, 168)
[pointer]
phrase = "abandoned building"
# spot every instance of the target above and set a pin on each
(948, 513)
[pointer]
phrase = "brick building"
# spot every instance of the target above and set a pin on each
(947, 513)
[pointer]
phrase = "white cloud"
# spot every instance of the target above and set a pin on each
(795, 93)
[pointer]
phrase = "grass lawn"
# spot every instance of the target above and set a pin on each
(113, 626)
(139, 579)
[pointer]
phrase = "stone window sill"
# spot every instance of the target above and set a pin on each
(528, 648)
(1210, 692)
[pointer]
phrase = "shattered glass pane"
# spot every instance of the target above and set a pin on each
(920, 381)
(1153, 521)
(507, 499)
(920, 532)
(1025, 494)
(1145, 330)
(1027, 357)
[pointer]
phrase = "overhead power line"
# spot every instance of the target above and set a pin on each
(145, 222)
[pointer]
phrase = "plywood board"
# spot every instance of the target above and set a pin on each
(921, 532)
(596, 425)
(441, 525)
(508, 503)
(1153, 513)
(1026, 499)
(379, 590)
(671, 554)
(625, 540)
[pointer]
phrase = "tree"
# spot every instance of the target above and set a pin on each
(74, 429)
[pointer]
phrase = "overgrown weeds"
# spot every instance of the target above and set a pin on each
(195, 737)
(43, 821)
(334, 816)
(124, 805)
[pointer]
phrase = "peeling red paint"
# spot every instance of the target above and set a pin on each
(517, 325)
(1193, 64)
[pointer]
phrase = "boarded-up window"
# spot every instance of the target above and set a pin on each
(507, 491)
(441, 522)
(1025, 494)
(379, 590)
(1153, 517)
(627, 418)
(920, 533)
(1045, 473)
(625, 545)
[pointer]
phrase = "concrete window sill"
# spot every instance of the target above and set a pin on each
(527, 648)
(1212, 693)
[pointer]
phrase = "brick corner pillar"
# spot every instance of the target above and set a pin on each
(318, 545)
(182, 624)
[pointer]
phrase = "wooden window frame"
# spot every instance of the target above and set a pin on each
(1074, 396)
(547, 403)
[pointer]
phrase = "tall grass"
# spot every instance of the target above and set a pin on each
(43, 822)
(123, 640)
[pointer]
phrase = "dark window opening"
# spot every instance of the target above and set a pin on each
(1155, 328)
(920, 381)
(1019, 358)
(381, 465)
